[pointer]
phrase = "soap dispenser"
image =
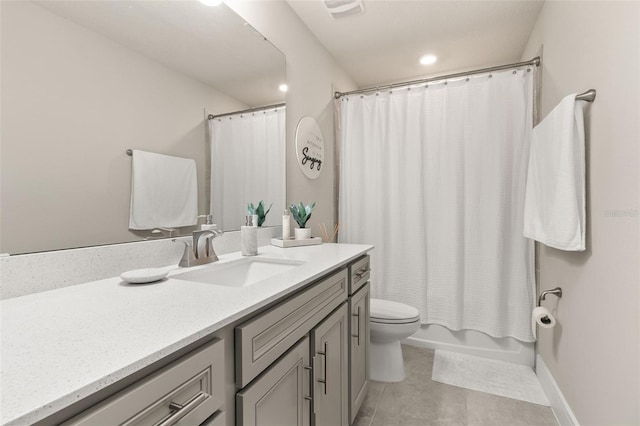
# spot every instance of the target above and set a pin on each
(208, 225)
(286, 225)
(249, 237)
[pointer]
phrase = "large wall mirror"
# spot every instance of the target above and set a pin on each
(84, 81)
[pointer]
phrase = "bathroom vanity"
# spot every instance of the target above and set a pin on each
(291, 349)
(324, 376)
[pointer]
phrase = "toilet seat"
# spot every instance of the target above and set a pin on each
(389, 312)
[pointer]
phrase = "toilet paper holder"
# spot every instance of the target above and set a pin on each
(556, 292)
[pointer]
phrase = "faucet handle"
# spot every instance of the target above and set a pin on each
(188, 256)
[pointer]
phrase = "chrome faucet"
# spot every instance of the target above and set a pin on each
(196, 253)
(208, 236)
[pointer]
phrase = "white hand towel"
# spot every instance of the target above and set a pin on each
(164, 191)
(554, 209)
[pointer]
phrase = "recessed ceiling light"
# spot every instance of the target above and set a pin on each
(283, 87)
(211, 2)
(428, 59)
(343, 8)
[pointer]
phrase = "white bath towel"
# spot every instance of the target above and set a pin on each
(164, 191)
(554, 209)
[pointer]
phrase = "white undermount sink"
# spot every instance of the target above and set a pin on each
(239, 273)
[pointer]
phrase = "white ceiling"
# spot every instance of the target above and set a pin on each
(383, 44)
(210, 44)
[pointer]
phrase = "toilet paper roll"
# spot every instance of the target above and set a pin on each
(542, 317)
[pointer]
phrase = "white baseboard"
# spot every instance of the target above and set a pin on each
(559, 405)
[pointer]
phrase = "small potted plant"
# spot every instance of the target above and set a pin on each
(302, 214)
(258, 211)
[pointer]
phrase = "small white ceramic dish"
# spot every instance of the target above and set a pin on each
(147, 275)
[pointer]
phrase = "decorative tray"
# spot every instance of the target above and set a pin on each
(279, 242)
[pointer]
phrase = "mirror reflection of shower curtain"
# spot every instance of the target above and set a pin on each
(434, 178)
(247, 165)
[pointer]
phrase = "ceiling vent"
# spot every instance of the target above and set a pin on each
(343, 8)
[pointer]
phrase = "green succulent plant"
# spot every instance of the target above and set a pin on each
(301, 213)
(259, 210)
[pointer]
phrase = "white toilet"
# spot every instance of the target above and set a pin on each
(390, 323)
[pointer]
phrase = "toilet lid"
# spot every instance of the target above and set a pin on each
(392, 312)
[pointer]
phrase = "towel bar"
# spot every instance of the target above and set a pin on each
(589, 96)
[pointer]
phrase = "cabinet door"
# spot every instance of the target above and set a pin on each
(359, 350)
(280, 395)
(330, 349)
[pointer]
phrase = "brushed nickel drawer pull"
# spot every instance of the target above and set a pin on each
(182, 410)
(175, 406)
(361, 272)
(324, 367)
(313, 381)
(357, 335)
(309, 368)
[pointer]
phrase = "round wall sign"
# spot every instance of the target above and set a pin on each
(309, 147)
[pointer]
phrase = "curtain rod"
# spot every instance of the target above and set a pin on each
(535, 61)
(244, 111)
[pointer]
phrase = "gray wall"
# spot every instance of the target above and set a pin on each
(312, 76)
(593, 352)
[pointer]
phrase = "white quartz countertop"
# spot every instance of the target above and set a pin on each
(60, 346)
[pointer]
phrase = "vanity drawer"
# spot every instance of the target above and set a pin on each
(187, 391)
(359, 272)
(263, 339)
(218, 419)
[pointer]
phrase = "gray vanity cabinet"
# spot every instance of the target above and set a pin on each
(358, 350)
(186, 392)
(269, 354)
(305, 360)
(266, 337)
(280, 395)
(330, 363)
(359, 313)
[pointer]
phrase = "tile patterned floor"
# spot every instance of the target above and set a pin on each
(419, 401)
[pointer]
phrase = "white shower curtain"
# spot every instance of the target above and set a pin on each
(247, 165)
(434, 177)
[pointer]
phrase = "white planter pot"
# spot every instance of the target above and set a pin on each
(302, 233)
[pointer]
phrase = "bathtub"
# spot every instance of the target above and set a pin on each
(471, 342)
